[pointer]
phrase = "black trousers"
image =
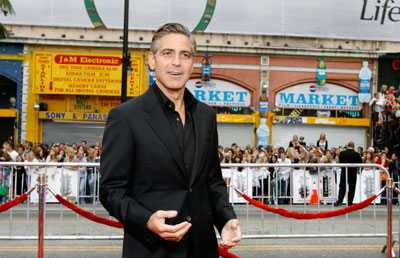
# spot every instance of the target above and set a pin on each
(352, 179)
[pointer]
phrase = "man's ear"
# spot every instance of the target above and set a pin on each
(152, 60)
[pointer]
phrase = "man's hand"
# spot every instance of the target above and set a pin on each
(231, 234)
(156, 223)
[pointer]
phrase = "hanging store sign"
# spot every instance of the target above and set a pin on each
(311, 96)
(219, 93)
(84, 74)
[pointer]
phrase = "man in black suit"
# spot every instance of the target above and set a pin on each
(348, 156)
(160, 172)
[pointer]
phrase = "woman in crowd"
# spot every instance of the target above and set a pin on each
(30, 170)
(290, 154)
(384, 161)
(71, 158)
(315, 158)
(294, 142)
(53, 155)
(303, 158)
(228, 157)
(261, 185)
(272, 174)
(4, 170)
(322, 142)
(61, 155)
(368, 159)
(92, 174)
(19, 174)
(80, 158)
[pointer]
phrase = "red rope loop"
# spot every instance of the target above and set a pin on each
(11, 203)
(222, 252)
(321, 215)
(225, 254)
(88, 215)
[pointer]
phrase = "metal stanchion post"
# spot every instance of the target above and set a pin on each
(389, 191)
(42, 196)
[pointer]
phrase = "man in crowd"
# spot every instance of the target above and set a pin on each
(160, 172)
(348, 156)
(7, 147)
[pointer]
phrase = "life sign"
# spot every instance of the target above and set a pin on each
(311, 96)
(219, 93)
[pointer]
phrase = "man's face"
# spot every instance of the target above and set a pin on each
(173, 61)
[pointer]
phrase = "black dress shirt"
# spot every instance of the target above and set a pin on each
(185, 135)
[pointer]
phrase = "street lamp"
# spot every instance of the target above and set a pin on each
(126, 57)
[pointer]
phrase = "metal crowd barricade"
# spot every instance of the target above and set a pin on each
(255, 223)
(290, 228)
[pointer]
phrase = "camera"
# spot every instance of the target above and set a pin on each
(302, 142)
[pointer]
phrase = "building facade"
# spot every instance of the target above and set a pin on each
(61, 77)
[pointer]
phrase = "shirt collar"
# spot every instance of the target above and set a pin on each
(166, 102)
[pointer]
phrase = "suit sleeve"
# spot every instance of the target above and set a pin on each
(117, 171)
(217, 193)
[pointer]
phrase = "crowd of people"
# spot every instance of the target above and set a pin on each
(56, 152)
(386, 108)
(295, 152)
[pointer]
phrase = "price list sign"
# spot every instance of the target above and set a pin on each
(84, 74)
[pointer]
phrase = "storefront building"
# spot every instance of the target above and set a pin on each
(72, 90)
(304, 108)
(11, 60)
(65, 71)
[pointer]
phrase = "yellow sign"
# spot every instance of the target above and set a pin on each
(84, 74)
(52, 115)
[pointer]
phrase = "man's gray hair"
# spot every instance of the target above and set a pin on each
(170, 28)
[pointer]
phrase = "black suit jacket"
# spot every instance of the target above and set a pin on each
(142, 171)
(350, 156)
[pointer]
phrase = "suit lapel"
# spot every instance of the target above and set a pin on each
(158, 122)
(199, 143)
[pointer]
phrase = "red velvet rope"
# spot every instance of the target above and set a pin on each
(11, 203)
(88, 215)
(321, 215)
(225, 254)
(222, 252)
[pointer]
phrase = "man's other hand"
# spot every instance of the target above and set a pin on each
(156, 224)
(231, 234)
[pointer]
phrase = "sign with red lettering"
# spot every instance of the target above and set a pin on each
(84, 74)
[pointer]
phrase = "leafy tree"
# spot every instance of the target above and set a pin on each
(6, 8)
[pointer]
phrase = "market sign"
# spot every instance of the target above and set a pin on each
(84, 74)
(219, 93)
(312, 96)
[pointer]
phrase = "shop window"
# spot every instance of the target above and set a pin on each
(8, 93)
(319, 113)
(233, 110)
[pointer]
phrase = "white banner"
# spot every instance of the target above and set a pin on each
(219, 93)
(64, 182)
(368, 181)
(356, 19)
(241, 180)
(312, 96)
